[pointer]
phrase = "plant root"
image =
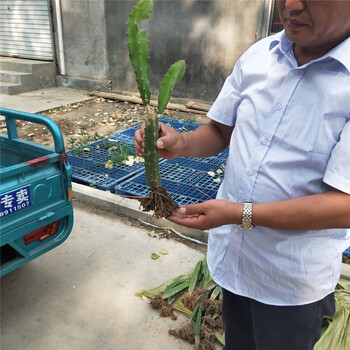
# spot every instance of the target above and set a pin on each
(166, 309)
(212, 307)
(186, 332)
(190, 301)
(160, 202)
(211, 322)
(206, 334)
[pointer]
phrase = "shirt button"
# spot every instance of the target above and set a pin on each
(250, 172)
(295, 72)
(278, 107)
(264, 141)
(236, 230)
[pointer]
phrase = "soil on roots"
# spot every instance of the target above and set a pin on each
(186, 332)
(160, 202)
(211, 321)
(165, 309)
(206, 339)
(190, 301)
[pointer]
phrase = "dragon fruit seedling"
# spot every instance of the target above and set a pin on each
(159, 200)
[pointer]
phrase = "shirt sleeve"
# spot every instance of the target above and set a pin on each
(224, 109)
(337, 172)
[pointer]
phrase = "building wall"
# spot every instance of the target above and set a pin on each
(84, 43)
(209, 35)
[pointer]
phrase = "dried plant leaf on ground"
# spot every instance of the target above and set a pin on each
(202, 304)
(195, 295)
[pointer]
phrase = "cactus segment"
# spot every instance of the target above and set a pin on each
(142, 10)
(138, 47)
(159, 199)
(174, 74)
(151, 152)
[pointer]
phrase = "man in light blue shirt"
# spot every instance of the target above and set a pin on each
(281, 219)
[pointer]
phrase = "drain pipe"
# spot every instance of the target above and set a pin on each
(264, 20)
(269, 18)
(60, 37)
(260, 20)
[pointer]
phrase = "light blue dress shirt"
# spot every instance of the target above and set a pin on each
(291, 139)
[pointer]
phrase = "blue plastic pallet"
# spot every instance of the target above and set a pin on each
(177, 124)
(89, 167)
(87, 172)
(99, 150)
(347, 252)
(183, 194)
(186, 180)
(88, 177)
(204, 163)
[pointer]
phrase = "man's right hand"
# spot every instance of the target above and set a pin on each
(169, 143)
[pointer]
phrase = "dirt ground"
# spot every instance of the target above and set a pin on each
(84, 122)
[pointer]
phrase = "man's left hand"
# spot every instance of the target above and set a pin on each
(207, 215)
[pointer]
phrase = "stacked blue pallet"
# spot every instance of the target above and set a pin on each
(179, 125)
(188, 180)
(89, 164)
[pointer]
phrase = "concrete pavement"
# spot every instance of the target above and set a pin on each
(42, 100)
(81, 295)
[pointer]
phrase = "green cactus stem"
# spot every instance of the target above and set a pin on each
(138, 47)
(159, 200)
(174, 74)
(151, 152)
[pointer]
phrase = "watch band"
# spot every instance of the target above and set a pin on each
(247, 216)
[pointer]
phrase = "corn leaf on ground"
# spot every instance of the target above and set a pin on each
(196, 286)
(198, 297)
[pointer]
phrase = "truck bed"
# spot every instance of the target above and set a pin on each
(16, 152)
(36, 212)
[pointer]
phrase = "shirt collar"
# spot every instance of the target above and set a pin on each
(280, 41)
(340, 53)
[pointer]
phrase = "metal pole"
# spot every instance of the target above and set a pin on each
(60, 37)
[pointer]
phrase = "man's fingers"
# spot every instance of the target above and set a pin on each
(167, 143)
(185, 220)
(192, 209)
(139, 142)
(168, 138)
(182, 212)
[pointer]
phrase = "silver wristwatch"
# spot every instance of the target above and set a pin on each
(247, 216)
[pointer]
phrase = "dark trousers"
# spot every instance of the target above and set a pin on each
(251, 325)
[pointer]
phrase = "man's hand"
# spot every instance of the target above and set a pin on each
(207, 215)
(315, 212)
(169, 143)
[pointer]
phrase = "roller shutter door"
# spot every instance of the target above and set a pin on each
(26, 29)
